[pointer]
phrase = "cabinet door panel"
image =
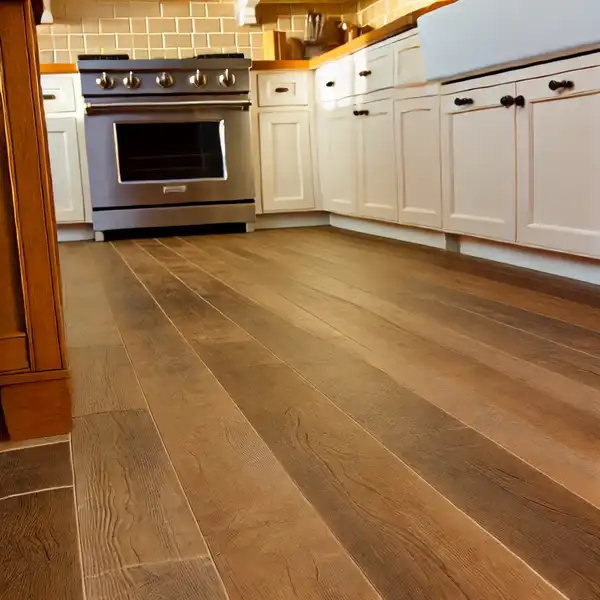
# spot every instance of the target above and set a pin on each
(479, 164)
(286, 166)
(417, 132)
(339, 161)
(558, 154)
(63, 147)
(378, 198)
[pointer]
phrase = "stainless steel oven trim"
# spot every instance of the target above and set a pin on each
(170, 181)
(91, 107)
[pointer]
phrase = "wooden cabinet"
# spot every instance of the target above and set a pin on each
(479, 163)
(34, 389)
(286, 163)
(338, 160)
(418, 167)
(65, 164)
(377, 197)
(558, 156)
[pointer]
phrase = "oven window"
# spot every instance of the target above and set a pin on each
(170, 151)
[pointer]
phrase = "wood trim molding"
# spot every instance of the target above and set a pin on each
(14, 354)
(31, 377)
(38, 409)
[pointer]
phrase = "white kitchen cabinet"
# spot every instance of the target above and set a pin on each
(286, 163)
(417, 133)
(377, 197)
(338, 160)
(65, 166)
(479, 163)
(558, 154)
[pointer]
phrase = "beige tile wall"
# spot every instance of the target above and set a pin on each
(381, 12)
(169, 28)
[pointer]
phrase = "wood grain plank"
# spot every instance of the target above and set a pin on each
(32, 469)
(545, 513)
(192, 579)
(395, 261)
(268, 542)
(366, 495)
(103, 380)
(130, 505)
(39, 554)
(88, 318)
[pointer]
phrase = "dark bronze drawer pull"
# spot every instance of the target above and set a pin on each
(330, 84)
(364, 73)
(561, 85)
(49, 96)
(281, 90)
(464, 101)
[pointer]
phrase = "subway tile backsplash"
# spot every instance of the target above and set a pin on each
(172, 28)
(178, 28)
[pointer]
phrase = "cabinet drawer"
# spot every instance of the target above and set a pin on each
(373, 70)
(288, 88)
(334, 80)
(408, 62)
(59, 93)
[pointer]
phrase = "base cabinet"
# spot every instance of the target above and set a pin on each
(558, 157)
(418, 165)
(378, 198)
(65, 165)
(479, 163)
(286, 163)
(339, 161)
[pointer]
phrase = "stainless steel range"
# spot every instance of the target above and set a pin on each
(168, 141)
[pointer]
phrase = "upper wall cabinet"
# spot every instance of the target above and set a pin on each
(479, 162)
(558, 145)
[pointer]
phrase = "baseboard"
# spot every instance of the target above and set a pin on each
(75, 232)
(402, 233)
(572, 267)
(286, 220)
(563, 265)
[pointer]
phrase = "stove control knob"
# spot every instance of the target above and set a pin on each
(165, 80)
(106, 82)
(132, 81)
(198, 79)
(226, 79)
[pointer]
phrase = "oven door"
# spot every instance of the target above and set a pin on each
(160, 152)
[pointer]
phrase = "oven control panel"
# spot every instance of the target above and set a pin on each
(186, 76)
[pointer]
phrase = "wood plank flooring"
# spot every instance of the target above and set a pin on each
(315, 415)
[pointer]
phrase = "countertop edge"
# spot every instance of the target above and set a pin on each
(57, 68)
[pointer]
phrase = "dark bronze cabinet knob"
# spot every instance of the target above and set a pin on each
(561, 85)
(507, 101)
(330, 84)
(520, 101)
(464, 101)
(364, 73)
(356, 113)
(365, 113)
(281, 90)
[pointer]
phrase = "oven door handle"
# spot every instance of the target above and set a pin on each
(91, 108)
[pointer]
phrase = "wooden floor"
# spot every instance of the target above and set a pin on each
(311, 414)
